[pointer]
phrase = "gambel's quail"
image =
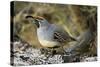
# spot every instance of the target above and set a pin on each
(50, 35)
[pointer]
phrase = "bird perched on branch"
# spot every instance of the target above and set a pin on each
(50, 35)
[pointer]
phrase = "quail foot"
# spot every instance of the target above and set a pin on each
(50, 35)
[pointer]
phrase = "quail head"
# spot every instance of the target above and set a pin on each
(50, 35)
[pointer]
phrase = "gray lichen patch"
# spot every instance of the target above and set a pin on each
(33, 56)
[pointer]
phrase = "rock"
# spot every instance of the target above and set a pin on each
(22, 56)
(32, 56)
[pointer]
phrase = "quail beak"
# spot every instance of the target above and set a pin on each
(33, 20)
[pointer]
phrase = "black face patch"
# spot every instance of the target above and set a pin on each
(37, 23)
